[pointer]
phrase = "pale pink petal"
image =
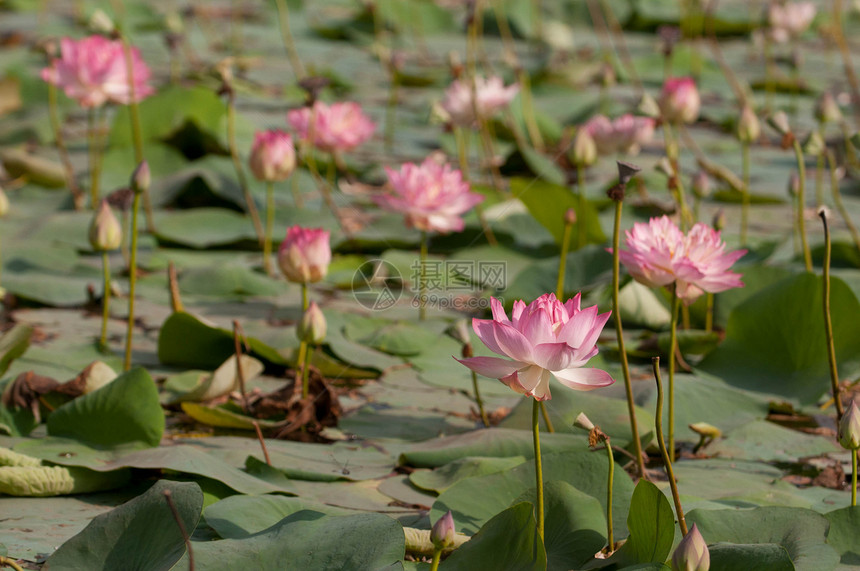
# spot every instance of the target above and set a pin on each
(492, 367)
(554, 356)
(583, 379)
(512, 343)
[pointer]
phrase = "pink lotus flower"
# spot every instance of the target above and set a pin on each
(432, 196)
(335, 127)
(789, 20)
(305, 254)
(93, 71)
(659, 254)
(273, 156)
(623, 135)
(546, 337)
(679, 100)
(491, 95)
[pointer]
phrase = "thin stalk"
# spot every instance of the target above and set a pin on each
(306, 369)
(745, 206)
(609, 536)
(240, 376)
(838, 36)
(105, 299)
(679, 511)
(437, 555)
(673, 346)
(297, 196)
(837, 199)
(854, 478)
(137, 136)
(237, 165)
(562, 261)
(287, 38)
(801, 202)
(538, 469)
(305, 303)
(546, 419)
(93, 155)
(9, 562)
(672, 152)
(422, 281)
(828, 322)
(581, 225)
(323, 187)
(301, 365)
(461, 137)
(479, 401)
(709, 312)
(625, 368)
(54, 115)
(168, 496)
(132, 280)
(270, 222)
(819, 178)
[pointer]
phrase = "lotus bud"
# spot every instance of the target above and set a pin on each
(105, 230)
(827, 109)
(570, 217)
(312, 327)
(584, 150)
(141, 178)
(583, 422)
(793, 184)
(701, 185)
(849, 428)
(779, 122)
(680, 100)
(649, 107)
(692, 553)
(442, 534)
(4, 203)
(749, 128)
(719, 220)
(460, 331)
(101, 23)
(813, 145)
(304, 254)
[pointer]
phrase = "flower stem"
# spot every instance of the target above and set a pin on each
(609, 536)
(137, 136)
(54, 115)
(437, 555)
(538, 469)
(801, 202)
(709, 312)
(673, 346)
(306, 369)
(581, 225)
(93, 154)
(270, 221)
(9, 562)
(562, 261)
(679, 511)
(132, 280)
(479, 401)
(305, 303)
(828, 322)
(287, 38)
(300, 364)
(745, 206)
(854, 478)
(422, 281)
(237, 165)
(546, 420)
(837, 199)
(625, 368)
(105, 299)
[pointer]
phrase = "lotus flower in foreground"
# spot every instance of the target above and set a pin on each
(659, 254)
(543, 338)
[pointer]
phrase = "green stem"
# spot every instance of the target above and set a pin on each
(306, 369)
(132, 281)
(105, 299)
(93, 153)
(801, 203)
(673, 152)
(679, 511)
(828, 322)
(837, 199)
(240, 172)
(437, 555)
(619, 332)
(745, 207)
(301, 364)
(562, 261)
(709, 312)
(9, 562)
(581, 221)
(422, 281)
(287, 38)
(137, 135)
(538, 469)
(305, 303)
(673, 346)
(54, 115)
(546, 420)
(854, 478)
(819, 179)
(479, 401)
(609, 536)
(270, 221)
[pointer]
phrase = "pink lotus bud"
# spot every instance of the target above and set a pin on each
(312, 327)
(141, 177)
(827, 109)
(849, 428)
(105, 230)
(584, 150)
(305, 254)
(680, 100)
(749, 128)
(701, 185)
(432, 196)
(273, 156)
(692, 553)
(570, 217)
(718, 222)
(442, 534)
(779, 122)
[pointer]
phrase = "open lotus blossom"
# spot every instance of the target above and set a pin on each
(543, 338)
(490, 94)
(93, 71)
(625, 134)
(336, 127)
(432, 196)
(789, 20)
(679, 100)
(659, 254)
(273, 156)
(305, 254)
